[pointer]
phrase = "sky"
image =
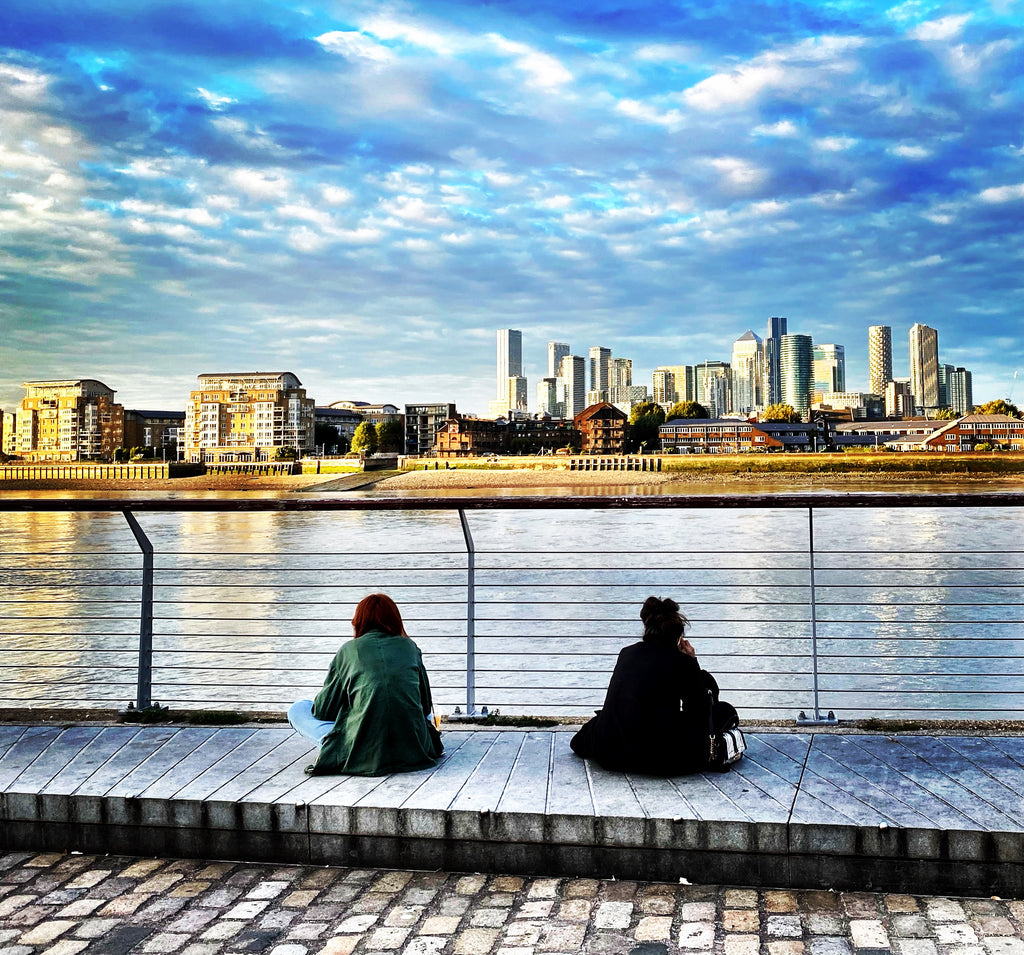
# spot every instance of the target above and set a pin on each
(362, 193)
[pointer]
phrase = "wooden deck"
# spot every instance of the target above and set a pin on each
(911, 813)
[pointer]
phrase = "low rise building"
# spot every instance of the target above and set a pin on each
(603, 429)
(422, 423)
(715, 436)
(9, 432)
(160, 430)
(247, 417)
(965, 434)
(68, 420)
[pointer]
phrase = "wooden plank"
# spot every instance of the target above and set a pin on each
(1013, 746)
(21, 754)
(568, 785)
(961, 808)
(176, 746)
(989, 802)
(126, 746)
(994, 760)
(55, 759)
(447, 779)
(708, 800)
(527, 786)
(742, 786)
(207, 753)
(105, 743)
(820, 802)
(882, 773)
(794, 745)
(660, 798)
(248, 751)
(9, 735)
(782, 755)
(285, 753)
(612, 793)
(487, 785)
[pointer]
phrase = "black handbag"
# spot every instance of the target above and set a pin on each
(727, 742)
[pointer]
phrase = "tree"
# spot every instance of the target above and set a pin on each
(390, 436)
(286, 454)
(327, 435)
(781, 412)
(644, 421)
(944, 414)
(644, 408)
(999, 406)
(686, 409)
(365, 438)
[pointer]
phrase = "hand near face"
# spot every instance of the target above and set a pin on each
(686, 647)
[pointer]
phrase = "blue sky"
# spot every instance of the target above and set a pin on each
(361, 193)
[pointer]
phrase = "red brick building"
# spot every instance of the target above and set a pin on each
(602, 428)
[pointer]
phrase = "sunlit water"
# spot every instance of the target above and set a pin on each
(916, 609)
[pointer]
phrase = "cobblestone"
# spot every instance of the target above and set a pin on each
(57, 905)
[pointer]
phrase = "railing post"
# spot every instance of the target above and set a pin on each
(144, 692)
(470, 616)
(817, 717)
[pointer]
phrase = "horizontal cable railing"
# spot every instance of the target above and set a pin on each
(865, 605)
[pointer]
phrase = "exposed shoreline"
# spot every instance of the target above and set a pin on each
(483, 479)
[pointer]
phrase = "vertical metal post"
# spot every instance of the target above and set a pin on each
(470, 616)
(144, 692)
(817, 717)
(814, 610)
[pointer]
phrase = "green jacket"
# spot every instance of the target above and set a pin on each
(378, 696)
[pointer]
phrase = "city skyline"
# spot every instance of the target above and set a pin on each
(360, 193)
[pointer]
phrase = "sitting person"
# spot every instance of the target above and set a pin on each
(656, 712)
(371, 717)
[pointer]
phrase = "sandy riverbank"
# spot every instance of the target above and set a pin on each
(472, 479)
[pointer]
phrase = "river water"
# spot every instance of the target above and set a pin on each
(916, 610)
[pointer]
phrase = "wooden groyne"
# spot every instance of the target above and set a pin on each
(88, 471)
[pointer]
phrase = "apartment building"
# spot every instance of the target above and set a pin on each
(160, 430)
(715, 436)
(9, 434)
(602, 428)
(68, 420)
(422, 423)
(247, 417)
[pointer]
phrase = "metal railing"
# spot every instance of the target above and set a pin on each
(865, 605)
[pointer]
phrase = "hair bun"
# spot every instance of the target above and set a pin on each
(656, 606)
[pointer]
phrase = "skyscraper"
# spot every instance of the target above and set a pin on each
(600, 360)
(924, 366)
(714, 380)
(510, 360)
(772, 345)
(961, 391)
(572, 379)
(796, 365)
(547, 398)
(829, 368)
(620, 380)
(556, 352)
(879, 358)
(747, 372)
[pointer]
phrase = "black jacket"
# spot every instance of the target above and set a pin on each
(655, 715)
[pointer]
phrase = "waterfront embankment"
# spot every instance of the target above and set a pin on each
(732, 473)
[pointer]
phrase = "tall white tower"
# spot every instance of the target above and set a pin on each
(510, 359)
(879, 358)
(924, 365)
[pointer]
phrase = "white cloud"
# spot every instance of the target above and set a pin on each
(352, 44)
(835, 144)
(213, 100)
(646, 113)
(388, 27)
(665, 53)
(259, 185)
(910, 151)
(1003, 193)
(543, 70)
(335, 195)
(942, 29)
(738, 173)
(784, 128)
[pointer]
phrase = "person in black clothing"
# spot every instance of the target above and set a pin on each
(657, 708)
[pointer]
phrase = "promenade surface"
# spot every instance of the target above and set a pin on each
(54, 904)
(809, 810)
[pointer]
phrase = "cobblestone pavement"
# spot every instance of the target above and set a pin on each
(65, 904)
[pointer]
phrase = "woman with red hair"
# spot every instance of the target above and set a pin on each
(371, 717)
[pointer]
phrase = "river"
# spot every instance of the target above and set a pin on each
(917, 610)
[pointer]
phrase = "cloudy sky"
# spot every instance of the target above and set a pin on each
(361, 193)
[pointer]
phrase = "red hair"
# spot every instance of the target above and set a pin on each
(377, 612)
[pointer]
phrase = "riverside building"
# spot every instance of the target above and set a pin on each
(879, 358)
(924, 366)
(74, 419)
(796, 370)
(247, 417)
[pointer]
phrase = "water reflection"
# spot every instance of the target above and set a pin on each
(915, 608)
